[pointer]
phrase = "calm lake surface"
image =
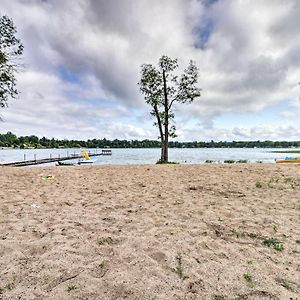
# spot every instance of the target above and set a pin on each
(150, 156)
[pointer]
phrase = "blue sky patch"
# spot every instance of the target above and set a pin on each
(202, 33)
(68, 75)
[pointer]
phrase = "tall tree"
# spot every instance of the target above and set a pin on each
(10, 49)
(162, 88)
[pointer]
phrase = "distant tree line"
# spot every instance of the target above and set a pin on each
(11, 140)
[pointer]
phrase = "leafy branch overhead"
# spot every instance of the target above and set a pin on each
(161, 88)
(10, 49)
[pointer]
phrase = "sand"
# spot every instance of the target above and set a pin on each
(150, 232)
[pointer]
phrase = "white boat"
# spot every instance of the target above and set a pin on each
(86, 159)
(65, 163)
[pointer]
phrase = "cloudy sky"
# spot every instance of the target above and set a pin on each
(82, 60)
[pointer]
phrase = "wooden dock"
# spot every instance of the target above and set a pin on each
(51, 159)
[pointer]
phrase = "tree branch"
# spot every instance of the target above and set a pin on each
(171, 103)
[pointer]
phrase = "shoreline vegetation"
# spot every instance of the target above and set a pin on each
(10, 140)
(286, 151)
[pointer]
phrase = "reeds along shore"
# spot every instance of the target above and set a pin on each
(150, 232)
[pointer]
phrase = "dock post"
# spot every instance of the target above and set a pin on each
(35, 157)
(24, 156)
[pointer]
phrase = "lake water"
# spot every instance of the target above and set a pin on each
(150, 156)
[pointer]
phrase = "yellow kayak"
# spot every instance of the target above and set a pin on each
(289, 160)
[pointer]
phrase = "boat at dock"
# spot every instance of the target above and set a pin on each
(295, 160)
(86, 159)
(84, 162)
(65, 163)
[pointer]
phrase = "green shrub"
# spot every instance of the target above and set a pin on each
(229, 161)
(273, 243)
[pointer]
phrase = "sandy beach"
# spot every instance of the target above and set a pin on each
(150, 232)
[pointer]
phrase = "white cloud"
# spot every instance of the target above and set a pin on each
(289, 114)
(247, 51)
(261, 132)
(127, 131)
(44, 109)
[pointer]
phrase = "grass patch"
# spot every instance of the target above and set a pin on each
(297, 241)
(249, 279)
(258, 184)
(102, 265)
(279, 183)
(208, 161)
(242, 161)
(219, 297)
(293, 182)
(273, 243)
(179, 267)
(71, 288)
(284, 283)
(9, 286)
(104, 241)
(271, 183)
(253, 235)
(275, 227)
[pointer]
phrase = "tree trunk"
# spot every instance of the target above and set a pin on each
(162, 151)
(166, 122)
(161, 133)
(166, 144)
